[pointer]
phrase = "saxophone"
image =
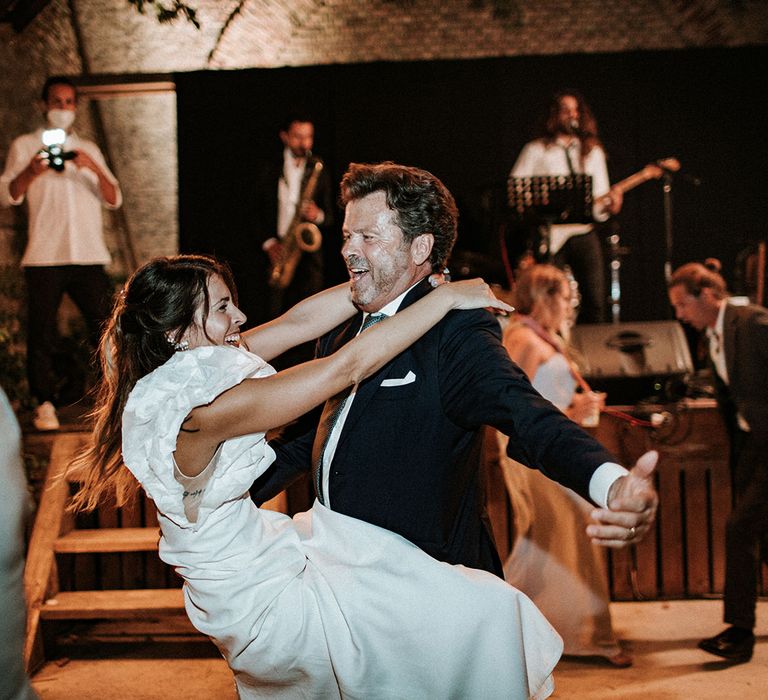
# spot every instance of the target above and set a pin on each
(302, 236)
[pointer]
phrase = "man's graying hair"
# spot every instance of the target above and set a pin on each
(421, 202)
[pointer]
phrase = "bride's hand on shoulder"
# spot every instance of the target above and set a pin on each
(473, 294)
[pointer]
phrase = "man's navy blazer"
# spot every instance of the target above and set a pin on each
(410, 451)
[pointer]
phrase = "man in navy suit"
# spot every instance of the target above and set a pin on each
(738, 357)
(403, 450)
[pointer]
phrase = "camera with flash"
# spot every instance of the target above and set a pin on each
(53, 140)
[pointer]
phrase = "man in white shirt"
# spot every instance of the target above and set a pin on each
(290, 195)
(65, 250)
(568, 145)
(738, 353)
(282, 199)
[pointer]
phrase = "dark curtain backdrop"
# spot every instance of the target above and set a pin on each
(466, 122)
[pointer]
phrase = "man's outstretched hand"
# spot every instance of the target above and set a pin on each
(632, 503)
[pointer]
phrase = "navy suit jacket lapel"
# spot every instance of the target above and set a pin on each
(367, 389)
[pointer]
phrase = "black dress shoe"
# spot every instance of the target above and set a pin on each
(734, 644)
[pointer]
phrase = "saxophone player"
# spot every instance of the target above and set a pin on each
(286, 203)
(282, 204)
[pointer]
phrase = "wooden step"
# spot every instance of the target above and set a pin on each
(114, 604)
(167, 629)
(118, 539)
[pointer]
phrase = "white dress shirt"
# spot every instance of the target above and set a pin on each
(65, 217)
(717, 353)
(289, 190)
(716, 349)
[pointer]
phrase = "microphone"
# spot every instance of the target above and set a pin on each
(672, 165)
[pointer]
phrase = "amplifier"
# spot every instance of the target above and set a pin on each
(632, 361)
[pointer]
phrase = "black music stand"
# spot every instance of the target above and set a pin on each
(544, 200)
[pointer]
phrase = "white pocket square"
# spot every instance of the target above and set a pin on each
(400, 381)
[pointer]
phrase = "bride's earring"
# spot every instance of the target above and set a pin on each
(181, 346)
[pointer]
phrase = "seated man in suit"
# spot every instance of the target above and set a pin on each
(403, 449)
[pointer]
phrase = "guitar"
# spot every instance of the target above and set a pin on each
(652, 171)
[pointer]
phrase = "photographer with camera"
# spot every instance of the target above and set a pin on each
(65, 181)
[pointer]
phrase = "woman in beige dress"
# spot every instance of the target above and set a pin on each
(551, 561)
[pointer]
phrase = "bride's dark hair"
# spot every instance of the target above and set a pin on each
(150, 316)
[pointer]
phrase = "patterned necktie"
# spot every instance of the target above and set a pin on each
(333, 408)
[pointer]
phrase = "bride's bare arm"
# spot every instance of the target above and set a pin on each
(255, 405)
(307, 320)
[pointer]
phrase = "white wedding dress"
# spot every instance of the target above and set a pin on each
(321, 605)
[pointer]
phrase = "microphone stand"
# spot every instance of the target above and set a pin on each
(617, 251)
(667, 189)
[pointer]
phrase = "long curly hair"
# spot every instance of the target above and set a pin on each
(550, 127)
(149, 317)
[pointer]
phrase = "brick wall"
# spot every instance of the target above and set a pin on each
(139, 131)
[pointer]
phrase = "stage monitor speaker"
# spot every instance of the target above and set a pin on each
(633, 361)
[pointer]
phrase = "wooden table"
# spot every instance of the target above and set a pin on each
(684, 556)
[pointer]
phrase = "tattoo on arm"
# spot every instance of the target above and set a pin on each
(188, 430)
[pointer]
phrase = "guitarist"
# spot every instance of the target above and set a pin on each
(568, 144)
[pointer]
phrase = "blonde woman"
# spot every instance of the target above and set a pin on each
(562, 572)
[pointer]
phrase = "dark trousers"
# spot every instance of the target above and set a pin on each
(307, 280)
(89, 288)
(584, 255)
(746, 529)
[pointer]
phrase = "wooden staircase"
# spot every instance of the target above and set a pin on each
(126, 583)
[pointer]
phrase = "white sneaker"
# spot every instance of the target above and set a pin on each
(45, 417)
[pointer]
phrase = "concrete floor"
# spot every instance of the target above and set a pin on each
(661, 636)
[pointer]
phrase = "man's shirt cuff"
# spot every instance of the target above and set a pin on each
(602, 480)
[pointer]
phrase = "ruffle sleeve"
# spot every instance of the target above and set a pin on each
(153, 415)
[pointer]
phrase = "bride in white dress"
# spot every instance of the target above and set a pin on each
(321, 605)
